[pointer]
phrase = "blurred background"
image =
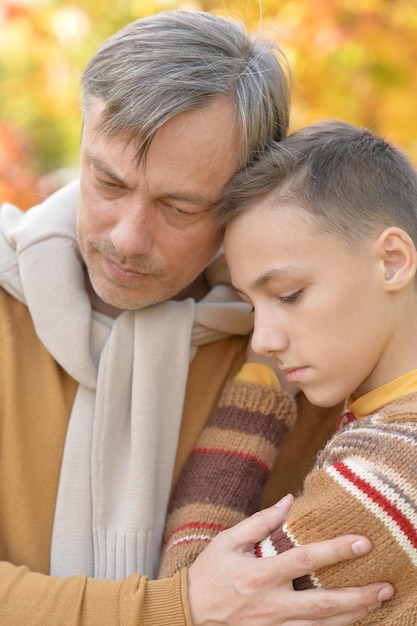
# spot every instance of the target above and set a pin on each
(352, 59)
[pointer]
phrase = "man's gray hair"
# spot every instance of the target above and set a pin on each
(178, 61)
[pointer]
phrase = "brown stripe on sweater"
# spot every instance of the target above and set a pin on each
(253, 423)
(219, 479)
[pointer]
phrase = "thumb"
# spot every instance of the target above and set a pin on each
(255, 528)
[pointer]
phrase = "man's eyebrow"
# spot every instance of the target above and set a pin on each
(190, 198)
(194, 198)
(104, 168)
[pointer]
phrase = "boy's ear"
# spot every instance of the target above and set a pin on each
(398, 255)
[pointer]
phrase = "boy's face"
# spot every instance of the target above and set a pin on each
(320, 309)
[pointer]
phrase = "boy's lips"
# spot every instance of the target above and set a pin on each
(294, 374)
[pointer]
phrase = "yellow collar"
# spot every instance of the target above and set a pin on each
(374, 400)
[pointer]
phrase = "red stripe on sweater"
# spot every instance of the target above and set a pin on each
(376, 496)
(241, 455)
(194, 525)
(258, 550)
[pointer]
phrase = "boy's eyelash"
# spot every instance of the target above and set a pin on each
(291, 298)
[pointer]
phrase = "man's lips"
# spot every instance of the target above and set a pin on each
(123, 274)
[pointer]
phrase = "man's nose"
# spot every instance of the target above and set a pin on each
(133, 232)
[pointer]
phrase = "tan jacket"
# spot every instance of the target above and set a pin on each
(35, 402)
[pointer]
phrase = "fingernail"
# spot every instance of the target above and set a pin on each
(360, 547)
(283, 501)
(385, 594)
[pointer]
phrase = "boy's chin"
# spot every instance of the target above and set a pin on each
(323, 400)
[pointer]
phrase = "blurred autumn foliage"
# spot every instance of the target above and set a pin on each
(351, 59)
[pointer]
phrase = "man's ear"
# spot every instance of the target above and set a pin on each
(398, 256)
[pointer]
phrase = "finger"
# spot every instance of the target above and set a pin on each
(257, 527)
(303, 560)
(340, 607)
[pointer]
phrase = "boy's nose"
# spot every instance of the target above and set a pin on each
(267, 340)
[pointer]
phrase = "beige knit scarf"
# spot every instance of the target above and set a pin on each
(123, 431)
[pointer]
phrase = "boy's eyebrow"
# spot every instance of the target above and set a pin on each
(272, 274)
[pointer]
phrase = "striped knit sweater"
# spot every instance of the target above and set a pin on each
(222, 480)
(364, 481)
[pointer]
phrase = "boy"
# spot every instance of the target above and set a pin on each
(320, 238)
